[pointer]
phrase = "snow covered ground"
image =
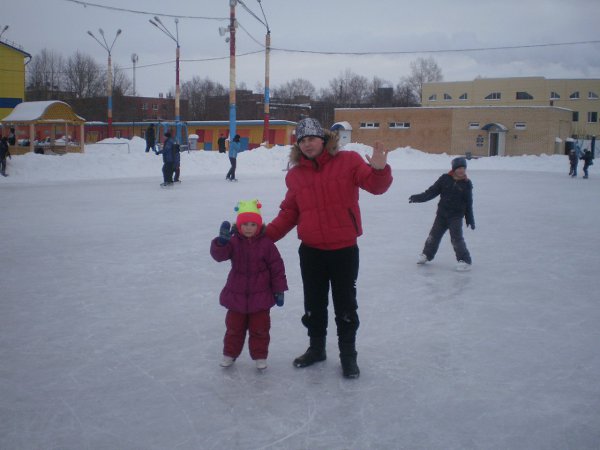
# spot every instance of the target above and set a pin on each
(111, 332)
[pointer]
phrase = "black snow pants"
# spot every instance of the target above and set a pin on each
(321, 269)
(440, 225)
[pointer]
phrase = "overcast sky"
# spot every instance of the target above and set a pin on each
(409, 28)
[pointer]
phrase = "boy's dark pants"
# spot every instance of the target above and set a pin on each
(338, 269)
(167, 172)
(440, 225)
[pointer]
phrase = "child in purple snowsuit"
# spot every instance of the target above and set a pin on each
(254, 285)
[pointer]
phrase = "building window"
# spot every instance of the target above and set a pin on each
(592, 116)
(144, 106)
(574, 95)
(369, 124)
(154, 107)
(433, 97)
(473, 125)
(447, 97)
(399, 125)
(554, 95)
(524, 96)
(520, 126)
(494, 96)
(592, 95)
(463, 97)
(575, 116)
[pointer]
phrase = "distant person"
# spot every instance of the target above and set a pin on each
(256, 282)
(168, 159)
(150, 139)
(176, 162)
(4, 152)
(235, 147)
(221, 143)
(323, 186)
(573, 161)
(588, 160)
(12, 137)
(456, 202)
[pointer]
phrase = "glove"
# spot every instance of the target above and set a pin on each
(278, 296)
(471, 224)
(411, 199)
(224, 233)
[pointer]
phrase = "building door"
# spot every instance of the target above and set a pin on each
(493, 144)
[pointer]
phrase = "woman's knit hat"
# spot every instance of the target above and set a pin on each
(309, 127)
(248, 211)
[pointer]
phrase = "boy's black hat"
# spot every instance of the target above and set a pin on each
(459, 162)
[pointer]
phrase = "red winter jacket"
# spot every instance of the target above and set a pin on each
(322, 197)
(257, 272)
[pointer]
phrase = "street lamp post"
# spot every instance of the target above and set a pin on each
(267, 92)
(108, 48)
(232, 105)
(267, 58)
(158, 24)
(3, 30)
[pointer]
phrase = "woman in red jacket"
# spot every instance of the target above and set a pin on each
(322, 201)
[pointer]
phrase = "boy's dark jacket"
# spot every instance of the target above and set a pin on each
(456, 197)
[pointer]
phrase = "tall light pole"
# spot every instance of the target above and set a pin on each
(108, 48)
(158, 24)
(232, 106)
(134, 60)
(267, 58)
(267, 93)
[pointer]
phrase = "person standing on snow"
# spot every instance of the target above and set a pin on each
(4, 152)
(150, 139)
(235, 147)
(322, 201)
(254, 285)
(221, 143)
(168, 159)
(573, 161)
(588, 160)
(456, 201)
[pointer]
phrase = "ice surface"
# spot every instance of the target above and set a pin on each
(111, 332)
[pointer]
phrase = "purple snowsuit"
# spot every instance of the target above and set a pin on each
(257, 272)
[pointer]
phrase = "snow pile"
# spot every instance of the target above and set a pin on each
(123, 158)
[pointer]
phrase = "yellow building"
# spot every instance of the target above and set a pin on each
(12, 77)
(582, 96)
(476, 130)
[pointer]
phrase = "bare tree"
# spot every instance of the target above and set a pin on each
(196, 91)
(122, 84)
(298, 87)
(44, 76)
(347, 89)
(404, 95)
(423, 70)
(83, 76)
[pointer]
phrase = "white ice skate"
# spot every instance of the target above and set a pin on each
(422, 259)
(227, 361)
(261, 364)
(462, 266)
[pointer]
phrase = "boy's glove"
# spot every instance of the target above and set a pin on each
(411, 199)
(278, 298)
(471, 223)
(224, 233)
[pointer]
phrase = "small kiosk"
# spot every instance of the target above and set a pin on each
(45, 127)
